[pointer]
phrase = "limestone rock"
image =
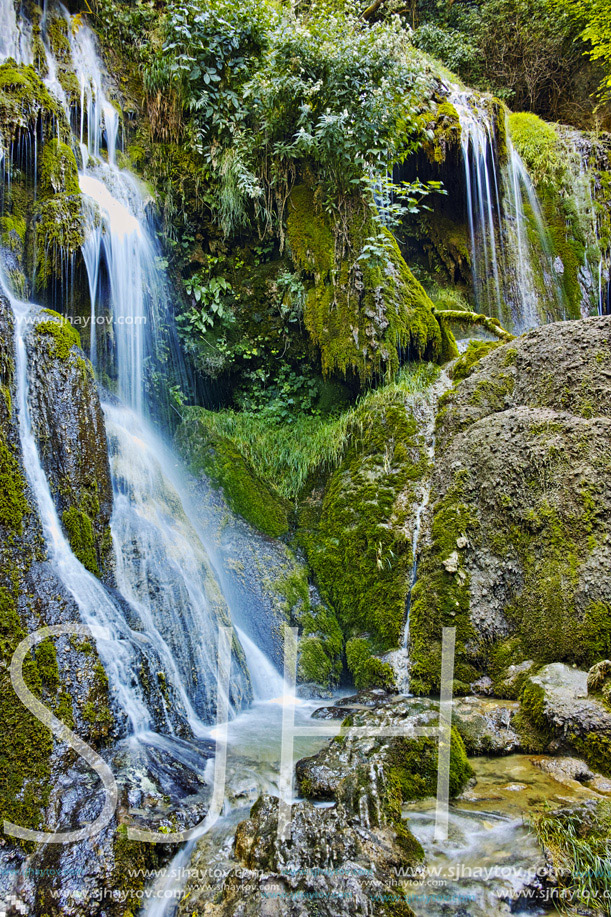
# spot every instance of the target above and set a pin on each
(514, 545)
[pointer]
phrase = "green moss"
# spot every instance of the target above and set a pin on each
(594, 637)
(60, 232)
(79, 529)
(357, 539)
(58, 170)
(218, 458)
(321, 639)
(131, 862)
(446, 132)
(57, 35)
(414, 762)
(367, 670)
(13, 503)
(46, 660)
(363, 305)
(465, 364)
(441, 598)
(24, 99)
(25, 753)
(12, 233)
(537, 143)
(544, 613)
(63, 334)
(596, 749)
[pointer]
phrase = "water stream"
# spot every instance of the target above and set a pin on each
(515, 276)
(171, 595)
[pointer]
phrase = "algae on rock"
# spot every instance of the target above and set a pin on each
(364, 308)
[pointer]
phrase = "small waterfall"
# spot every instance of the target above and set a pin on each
(164, 615)
(95, 605)
(427, 411)
(481, 169)
(15, 34)
(515, 276)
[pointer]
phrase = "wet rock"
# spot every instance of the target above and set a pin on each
(486, 727)
(513, 679)
(372, 775)
(331, 865)
(556, 700)
(69, 427)
(371, 698)
(332, 713)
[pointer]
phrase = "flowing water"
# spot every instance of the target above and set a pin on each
(171, 596)
(515, 276)
(164, 618)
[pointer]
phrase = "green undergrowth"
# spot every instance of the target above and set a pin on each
(577, 839)
(286, 455)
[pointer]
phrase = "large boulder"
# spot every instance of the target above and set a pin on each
(330, 865)
(515, 544)
(556, 700)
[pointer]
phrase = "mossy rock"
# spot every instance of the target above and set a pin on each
(60, 234)
(467, 360)
(58, 170)
(24, 99)
(63, 335)
(219, 459)
(363, 307)
(368, 670)
(321, 641)
(356, 533)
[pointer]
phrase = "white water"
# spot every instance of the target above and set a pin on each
(94, 604)
(515, 277)
(169, 607)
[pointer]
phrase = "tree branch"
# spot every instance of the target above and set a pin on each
(474, 318)
(372, 10)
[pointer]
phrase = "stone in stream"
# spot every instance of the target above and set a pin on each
(556, 701)
(332, 865)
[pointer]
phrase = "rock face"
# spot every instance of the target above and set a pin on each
(515, 545)
(69, 427)
(556, 700)
(372, 775)
(65, 673)
(332, 865)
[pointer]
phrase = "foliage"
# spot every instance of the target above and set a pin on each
(268, 96)
(593, 16)
(286, 454)
(577, 840)
(522, 50)
(537, 143)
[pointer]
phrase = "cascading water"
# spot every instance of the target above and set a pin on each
(164, 616)
(515, 276)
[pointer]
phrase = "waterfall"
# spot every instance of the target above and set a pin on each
(515, 276)
(164, 614)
